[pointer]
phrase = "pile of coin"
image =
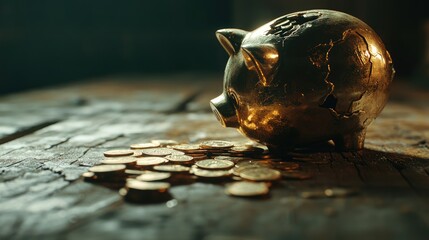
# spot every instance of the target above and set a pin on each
(146, 171)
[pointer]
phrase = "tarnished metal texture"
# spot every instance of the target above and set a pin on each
(304, 78)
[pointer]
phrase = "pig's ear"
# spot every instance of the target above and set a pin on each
(262, 58)
(230, 39)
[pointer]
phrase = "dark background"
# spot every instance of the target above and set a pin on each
(49, 42)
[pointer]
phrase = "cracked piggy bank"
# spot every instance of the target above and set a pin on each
(304, 78)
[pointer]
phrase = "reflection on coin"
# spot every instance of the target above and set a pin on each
(164, 142)
(260, 174)
(215, 164)
(139, 185)
(171, 168)
(153, 176)
(118, 153)
(150, 161)
(216, 144)
(210, 173)
(107, 168)
(247, 189)
(144, 145)
(179, 158)
(129, 161)
(160, 152)
(296, 175)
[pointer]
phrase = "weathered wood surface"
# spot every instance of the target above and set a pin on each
(50, 137)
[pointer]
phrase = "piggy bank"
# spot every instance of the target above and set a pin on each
(304, 78)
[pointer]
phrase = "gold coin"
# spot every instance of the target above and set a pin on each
(146, 186)
(179, 158)
(120, 160)
(164, 142)
(159, 152)
(150, 161)
(247, 189)
(296, 175)
(171, 168)
(313, 194)
(187, 147)
(211, 173)
(216, 144)
(88, 176)
(260, 174)
(246, 149)
(286, 165)
(107, 168)
(144, 145)
(253, 163)
(175, 152)
(214, 164)
(338, 192)
(118, 153)
(153, 176)
(229, 158)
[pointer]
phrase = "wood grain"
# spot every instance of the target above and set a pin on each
(42, 195)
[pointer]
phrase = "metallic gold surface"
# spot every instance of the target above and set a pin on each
(302, 78)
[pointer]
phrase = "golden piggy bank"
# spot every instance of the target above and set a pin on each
(304, 78)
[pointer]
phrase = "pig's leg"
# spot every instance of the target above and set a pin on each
(350, 142)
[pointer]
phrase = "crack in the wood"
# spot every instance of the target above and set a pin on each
(28, 131)
(97, 145)
(58, 143)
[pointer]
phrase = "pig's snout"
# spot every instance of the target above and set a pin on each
(224, 110)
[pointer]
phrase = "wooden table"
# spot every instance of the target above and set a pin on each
(50, 137)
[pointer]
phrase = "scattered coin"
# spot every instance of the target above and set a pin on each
(118, 153)
(144, 145)
(215, 164)
(211, 173)
(216, 144)
(339, 192)
(179, 158)
(107, 168)
(171, 168)
(247, 189)
(153, 176)
(229, 158)
(129, 161)
(187, 147)
(139, 185)
(214, 159)
(159, 152)
(313, 194)
(108, 173)
(260, 174)
(175, 152)
(88, 176)
(150, 161)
